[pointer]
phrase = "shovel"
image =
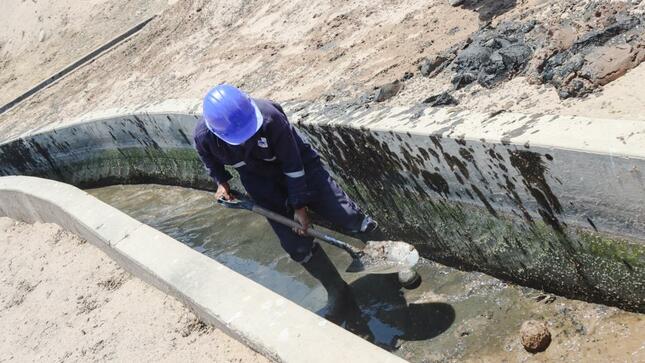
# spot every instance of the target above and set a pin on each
(377, 257)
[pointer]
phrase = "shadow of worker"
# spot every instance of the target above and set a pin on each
(386, 319)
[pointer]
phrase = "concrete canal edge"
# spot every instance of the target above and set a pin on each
(551, 202)
(260, 318)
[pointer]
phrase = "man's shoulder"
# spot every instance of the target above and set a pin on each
(201, 130)
(269, 108)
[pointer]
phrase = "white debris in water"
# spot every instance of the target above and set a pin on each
(389, 256)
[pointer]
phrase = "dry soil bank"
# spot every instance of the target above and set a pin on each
(63, 300)
(40, 37)
(334, 52)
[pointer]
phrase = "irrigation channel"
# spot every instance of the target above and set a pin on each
(453, 315)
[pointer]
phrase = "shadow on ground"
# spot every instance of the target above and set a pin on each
(385, 318)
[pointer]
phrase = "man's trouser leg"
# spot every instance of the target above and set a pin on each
(333, 204)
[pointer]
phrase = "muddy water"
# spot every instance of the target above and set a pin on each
(452, 316)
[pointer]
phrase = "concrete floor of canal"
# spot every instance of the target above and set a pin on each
(452, 316)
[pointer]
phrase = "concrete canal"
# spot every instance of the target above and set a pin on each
(453, 316)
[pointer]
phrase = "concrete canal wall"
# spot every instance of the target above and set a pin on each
(552, 202)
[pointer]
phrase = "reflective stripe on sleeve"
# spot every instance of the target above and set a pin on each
(296, 174)
(271, 159)
(240, 164)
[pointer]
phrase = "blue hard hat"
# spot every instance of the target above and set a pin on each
(231, 114)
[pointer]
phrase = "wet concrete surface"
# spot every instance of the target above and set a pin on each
(452, 316)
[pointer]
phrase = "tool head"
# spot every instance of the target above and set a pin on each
(384, 257)
(236, 204)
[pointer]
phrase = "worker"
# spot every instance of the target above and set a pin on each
(280, 172)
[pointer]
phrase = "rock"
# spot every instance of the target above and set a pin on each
(366, 98)
(388, 91)
(409, 279)
(595, 58)
(455, 2)
(433, 65)
(575, 64)
(461, 80)
(611, 62)
(441, 99)
(406, 76)
(494, 54)
(545, 298)
(41, 36)
(535, 336)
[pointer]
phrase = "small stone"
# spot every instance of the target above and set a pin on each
(441, 99)
(461, 80)
(545, 298)
(41, 36)
(388, 91)
(428, 66)
(409, 279)
(406, 76)
(535, 336)
(455, 2)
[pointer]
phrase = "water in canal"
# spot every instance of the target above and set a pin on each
(452, 316)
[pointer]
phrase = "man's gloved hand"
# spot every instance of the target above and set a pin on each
(224, 192)
(301, 216)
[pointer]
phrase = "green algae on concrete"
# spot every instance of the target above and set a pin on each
(500, 237)
(498, 208)
(170, 166)
(633, 255)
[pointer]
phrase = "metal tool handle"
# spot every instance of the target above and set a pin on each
(246, 204)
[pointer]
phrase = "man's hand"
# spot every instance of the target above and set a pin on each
(224, 192)
(301, 216)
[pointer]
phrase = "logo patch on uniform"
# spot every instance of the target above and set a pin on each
(262, 142)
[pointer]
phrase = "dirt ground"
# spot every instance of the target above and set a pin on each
(64, 300)
(40, 37)
(330, 51)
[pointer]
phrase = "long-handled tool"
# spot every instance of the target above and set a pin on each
(377, 257)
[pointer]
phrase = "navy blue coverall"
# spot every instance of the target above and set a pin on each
(281, 173)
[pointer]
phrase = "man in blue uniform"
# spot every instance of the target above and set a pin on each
(279, 171)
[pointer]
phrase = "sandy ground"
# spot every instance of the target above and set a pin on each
(63, 300)
(40, 37)
(331, 51)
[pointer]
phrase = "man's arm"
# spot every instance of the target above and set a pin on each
(216, 170)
